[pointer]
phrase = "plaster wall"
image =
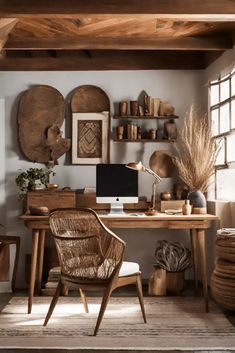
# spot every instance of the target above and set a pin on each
(181, 88)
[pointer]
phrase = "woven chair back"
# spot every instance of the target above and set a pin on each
(87, 250)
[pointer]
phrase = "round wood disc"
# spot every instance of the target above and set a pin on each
(89, 99)
(40, 107)
(162, 164)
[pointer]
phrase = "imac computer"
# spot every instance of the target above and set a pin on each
(116, 184)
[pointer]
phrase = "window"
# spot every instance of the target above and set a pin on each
(222, 115)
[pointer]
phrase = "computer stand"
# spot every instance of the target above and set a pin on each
(116, 209)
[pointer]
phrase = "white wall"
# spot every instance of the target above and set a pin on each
(181, 88)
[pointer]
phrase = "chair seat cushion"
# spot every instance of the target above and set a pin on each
(128, 268)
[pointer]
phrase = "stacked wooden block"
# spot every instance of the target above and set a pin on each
(223, 277)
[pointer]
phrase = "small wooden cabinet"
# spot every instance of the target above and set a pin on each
(51, 199)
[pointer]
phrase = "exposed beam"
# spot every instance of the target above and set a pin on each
(181, 9)
(210, 57)
(6, 26)
(106, 60)
(91, 43)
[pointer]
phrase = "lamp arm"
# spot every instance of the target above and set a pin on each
(150, 171)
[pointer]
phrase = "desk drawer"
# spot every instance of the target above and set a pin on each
(189, 224)
(51, 199)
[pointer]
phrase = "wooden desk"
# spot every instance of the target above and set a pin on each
(197, 224)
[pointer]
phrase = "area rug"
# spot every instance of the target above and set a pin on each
(174, 323)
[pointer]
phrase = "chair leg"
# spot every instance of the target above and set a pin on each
(53, 302)
(105, 299)
(140, 295)
(84, 300)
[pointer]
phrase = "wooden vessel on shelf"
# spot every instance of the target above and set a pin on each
(142, 140)
(146, 117)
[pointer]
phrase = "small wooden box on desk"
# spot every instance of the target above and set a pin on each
(51, 199)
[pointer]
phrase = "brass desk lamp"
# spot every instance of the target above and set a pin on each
(141, 168)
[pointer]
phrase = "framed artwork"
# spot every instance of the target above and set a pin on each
(90, 138)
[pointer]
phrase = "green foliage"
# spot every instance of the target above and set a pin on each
(31, 177)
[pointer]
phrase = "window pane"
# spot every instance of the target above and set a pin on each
(211, 188)
(221, 154)
(233, 85)
(225, 184)
(214, 94)
(230, 148)
(233, 113)
(215, 122)
(224, 90)
(224, 118)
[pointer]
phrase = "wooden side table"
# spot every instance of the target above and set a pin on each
(6, 240)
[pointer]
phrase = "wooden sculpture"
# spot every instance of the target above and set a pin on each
(40, 117)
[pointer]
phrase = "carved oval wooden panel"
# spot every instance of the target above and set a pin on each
(89, 99)
(40, 108)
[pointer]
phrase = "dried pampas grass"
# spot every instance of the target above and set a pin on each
(196, 151)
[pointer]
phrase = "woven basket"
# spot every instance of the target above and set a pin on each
(223, 277)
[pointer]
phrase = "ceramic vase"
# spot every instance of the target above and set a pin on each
(187, 208)
(198, 201)
(170, 130)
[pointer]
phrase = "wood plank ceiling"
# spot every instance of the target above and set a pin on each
(114, 34)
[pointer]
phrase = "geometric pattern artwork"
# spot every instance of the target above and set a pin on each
(90, 138)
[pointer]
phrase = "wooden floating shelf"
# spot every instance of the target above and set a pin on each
(142, 140)
(145, 117)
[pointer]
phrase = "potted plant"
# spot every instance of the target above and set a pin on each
(29, 179)
(171, 261)
(196, 155)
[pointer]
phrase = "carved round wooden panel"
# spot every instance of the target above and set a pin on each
(89, 99)
(41, 108)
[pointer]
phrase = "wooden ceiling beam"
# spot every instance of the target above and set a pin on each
(91, 43)
(214, 10)
(6, 26)
(105, 60)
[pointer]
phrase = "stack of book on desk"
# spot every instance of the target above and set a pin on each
(52, 281)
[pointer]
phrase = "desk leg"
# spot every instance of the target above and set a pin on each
(40, 259)
(35, 236)
(194, 245)
(202, 252)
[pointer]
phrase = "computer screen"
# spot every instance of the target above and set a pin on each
(116, 184)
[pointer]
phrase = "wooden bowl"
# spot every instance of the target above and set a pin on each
(52, 186)
(162, 164)
(39, 211)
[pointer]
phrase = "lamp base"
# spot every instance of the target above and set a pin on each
(151, 212)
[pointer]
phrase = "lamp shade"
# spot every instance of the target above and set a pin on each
(136, 166)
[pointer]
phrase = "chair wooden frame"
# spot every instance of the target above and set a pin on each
(87, 284)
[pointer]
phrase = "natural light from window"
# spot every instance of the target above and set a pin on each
(222, 115)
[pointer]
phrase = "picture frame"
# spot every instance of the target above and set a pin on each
(90, 138)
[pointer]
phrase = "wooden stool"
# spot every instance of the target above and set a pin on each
(6, 240)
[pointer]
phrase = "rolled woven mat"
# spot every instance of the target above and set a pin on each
(223, 277)
(226, 255)
(225, 245)
(226, 233)
(227, 267)
(223, 291)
